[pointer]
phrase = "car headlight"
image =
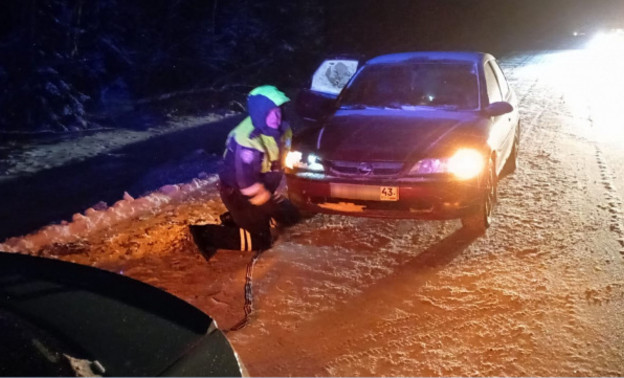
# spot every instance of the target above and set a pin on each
(430, 166)
(294, 159)
(465, 164)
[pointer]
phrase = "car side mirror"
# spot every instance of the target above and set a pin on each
(499, 108)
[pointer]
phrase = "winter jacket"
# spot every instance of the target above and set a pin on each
(254, 151)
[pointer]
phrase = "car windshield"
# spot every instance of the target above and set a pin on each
(444, 85)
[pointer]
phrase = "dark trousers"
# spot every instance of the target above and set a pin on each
(247, 228)
(257, 219)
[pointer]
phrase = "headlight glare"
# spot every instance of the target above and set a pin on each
(295, 160)
(466, 163)
(314, 163)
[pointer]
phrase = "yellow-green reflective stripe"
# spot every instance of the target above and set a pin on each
(249, 248)
(242, 239)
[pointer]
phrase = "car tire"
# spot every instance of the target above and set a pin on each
(512, 161)
(303, 214)
(306, 214)
(481, 219)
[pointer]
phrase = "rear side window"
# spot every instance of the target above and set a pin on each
(502, 81)
(493, 90)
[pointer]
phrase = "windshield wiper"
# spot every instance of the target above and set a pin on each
(447, 107)
(362, 106)
(353, 106)
(393, 105)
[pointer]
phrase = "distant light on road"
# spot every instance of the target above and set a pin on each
(604, 83)
(610, 42)
(591, 85)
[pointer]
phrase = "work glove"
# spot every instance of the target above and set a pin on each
(257, 193)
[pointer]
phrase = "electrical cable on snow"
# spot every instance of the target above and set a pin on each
(248, 294)
(248, 289)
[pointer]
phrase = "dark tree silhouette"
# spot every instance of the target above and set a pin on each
(64, 60)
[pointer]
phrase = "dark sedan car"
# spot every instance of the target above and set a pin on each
(411, 135)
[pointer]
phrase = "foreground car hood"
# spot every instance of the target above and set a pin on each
(88, 315)
(395, 135)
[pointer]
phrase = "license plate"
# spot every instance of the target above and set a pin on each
(364, 192)
(389, 193)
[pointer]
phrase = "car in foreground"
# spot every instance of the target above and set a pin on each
(411, 135)
(64, 319)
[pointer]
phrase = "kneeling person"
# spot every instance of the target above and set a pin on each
(251, 173)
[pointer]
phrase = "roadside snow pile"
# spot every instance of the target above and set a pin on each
(101, 216)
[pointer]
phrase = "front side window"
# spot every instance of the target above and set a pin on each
(502, 81)
(493, 90)
(451, 86)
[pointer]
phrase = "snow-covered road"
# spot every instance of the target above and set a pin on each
(540, 294)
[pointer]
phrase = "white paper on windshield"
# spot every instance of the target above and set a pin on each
(333, 75)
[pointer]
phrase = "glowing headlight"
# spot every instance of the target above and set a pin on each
(294, 159)
(314, 163)
(466, 163)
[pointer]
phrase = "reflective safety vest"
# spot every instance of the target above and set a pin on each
(272, 152)
(248, 160)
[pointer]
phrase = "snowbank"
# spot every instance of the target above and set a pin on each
(101, 216)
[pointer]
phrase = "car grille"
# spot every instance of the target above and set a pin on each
(358, 168)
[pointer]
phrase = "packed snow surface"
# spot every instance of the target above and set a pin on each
(541, 293)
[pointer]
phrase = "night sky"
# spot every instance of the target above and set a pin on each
(486, 25)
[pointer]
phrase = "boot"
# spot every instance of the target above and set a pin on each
(210, 237)
(203, 239)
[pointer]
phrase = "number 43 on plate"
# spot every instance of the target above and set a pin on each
(389, 193)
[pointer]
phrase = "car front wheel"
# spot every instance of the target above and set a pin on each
(512, 160)
(481, 219)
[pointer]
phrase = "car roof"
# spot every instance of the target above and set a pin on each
(460, 56)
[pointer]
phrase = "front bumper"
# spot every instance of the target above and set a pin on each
(441, 198)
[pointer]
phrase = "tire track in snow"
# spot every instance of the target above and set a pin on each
(539, 112)
(517, 75)
(614, 201)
